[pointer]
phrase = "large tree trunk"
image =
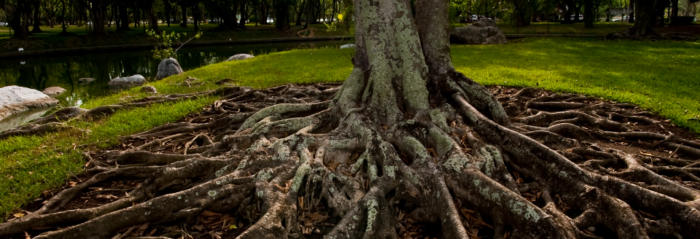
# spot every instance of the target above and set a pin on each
(299, 13)
(630, 18)
(568, 11)
(17, 18)
(282, 14)
(153, 24)
(37, 17)
(195, 16)
(183, 6)
(405, 136)
(123, 18)
(98, 12)
(521, 13)
(167, 7)
(244, 14)
(644, 18)
(588, 15)
(577, 12)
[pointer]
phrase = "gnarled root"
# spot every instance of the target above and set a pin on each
(298, 169)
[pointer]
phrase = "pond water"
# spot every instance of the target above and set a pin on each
(65, 70)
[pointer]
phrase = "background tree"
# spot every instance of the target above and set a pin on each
(282, 14)
(98, 14)
(50, 9)
(36, 9)
(18, 14)
(588, 15)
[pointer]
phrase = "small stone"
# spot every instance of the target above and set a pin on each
(53, 91)
(347, 46)
(127, 81)
(239, 57)
(591, 229)
(149, 89)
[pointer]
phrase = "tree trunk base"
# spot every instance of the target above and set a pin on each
(282, 163)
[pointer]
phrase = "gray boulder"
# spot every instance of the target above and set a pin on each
(238, 57)
(53, 91)
(16, 99)
(481, 32)
(127, 81)
(168, 67)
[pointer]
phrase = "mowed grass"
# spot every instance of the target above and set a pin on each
(659, 76)
(599, 28)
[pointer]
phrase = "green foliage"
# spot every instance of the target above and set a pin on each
(334, 25)
(164, 49)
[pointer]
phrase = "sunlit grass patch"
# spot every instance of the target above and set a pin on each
(32, 164)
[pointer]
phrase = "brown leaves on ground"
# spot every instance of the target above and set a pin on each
(408, 228)
(309, 222)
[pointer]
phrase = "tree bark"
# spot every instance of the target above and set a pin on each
(123, 18)
(167, 8)
(37, 17)
(588, 15)
(644, 14)
(299, 12)
(630, 17)
(17, 18)
(98, 12)
(183, 6)
(195, 16)
(153, 25)
(282, 14)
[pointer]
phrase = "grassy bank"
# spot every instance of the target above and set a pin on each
(660, 76)
(49, 38)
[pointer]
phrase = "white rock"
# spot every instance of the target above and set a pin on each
(21, 49)
(127, 81)
(240, 57)
(16, 99)
(53, 91)
(347, 46)
(168, 67)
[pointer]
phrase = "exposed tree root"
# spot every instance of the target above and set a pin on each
(293, 170)
(34, 129)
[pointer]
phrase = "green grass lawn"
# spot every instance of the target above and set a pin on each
(49, 38)
(660, 76)
(599, 29)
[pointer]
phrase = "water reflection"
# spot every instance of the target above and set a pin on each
(65, 71)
